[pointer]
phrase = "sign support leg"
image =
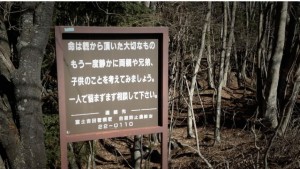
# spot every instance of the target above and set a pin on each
(164, 150)
(64, 155)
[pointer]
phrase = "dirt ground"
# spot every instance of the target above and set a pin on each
(236, 150)
(239, 148)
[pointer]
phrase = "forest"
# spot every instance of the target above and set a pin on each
(234, 81)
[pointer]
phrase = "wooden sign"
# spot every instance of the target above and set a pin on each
(112, 82)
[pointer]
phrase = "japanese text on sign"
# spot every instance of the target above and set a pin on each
(111, 75)
(110, 46)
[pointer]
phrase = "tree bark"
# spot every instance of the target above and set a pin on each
(211, 79)
(242, 74)
(8, 128)
(221, 76)
(229, 45)
(260, 48)
(6, 66)
(11, 143)
(21, 114)
(271, 110)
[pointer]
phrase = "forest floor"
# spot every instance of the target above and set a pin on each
(237, 147)
(243, 144)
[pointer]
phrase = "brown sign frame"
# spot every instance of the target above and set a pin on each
(162, 85)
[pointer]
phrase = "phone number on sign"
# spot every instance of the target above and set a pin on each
(115, 125)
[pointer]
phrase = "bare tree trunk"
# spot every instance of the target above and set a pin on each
(288, 66)
(242, 74)
(260, 48)
(237, 65)
(33, 41)
(221, 76)
(273, 70)
(137, 154)
(229, 45)
(194, 78)
(266, 52)
(211, 78)
(91, 161)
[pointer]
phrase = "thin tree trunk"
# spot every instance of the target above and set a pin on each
(244, 66)
(242, 74)
(91, 161)
(137, 154)
(221, 75)
(229, 45)
(237, 66)
(260, 48)
(273, 71)
(194, 78)
(211, 79)
(266, 39)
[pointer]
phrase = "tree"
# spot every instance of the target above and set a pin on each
(271, 109)
(21, 122)
(137, 151)
(191, 115)
(288, 85)
(210, 70)
(230, 42)
(221, 75)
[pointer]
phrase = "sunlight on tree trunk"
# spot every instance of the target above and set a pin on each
(273, 71)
